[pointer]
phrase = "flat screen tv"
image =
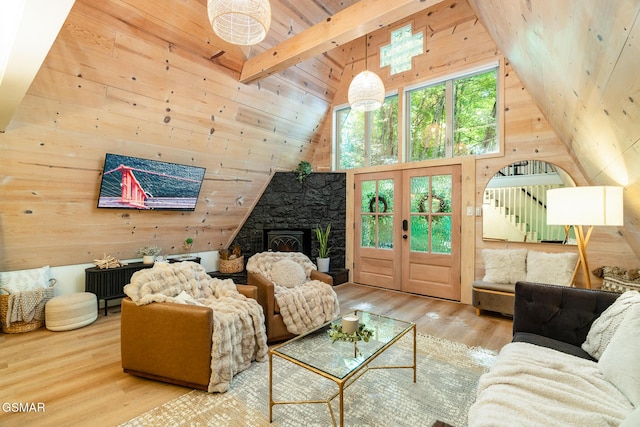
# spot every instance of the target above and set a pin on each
(134, 183)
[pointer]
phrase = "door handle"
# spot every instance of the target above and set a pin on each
(405, 225)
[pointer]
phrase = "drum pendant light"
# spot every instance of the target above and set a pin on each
(241, 22)
(366, 91)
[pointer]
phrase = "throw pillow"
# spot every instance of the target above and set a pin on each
(619, 362)
(12, 282)
(504, 265)
(607, 324)
(288, 273)
(551, 268)
(633, 419)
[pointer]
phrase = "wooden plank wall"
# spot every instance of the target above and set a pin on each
(456, 40)
(148, 79)
(144, 79)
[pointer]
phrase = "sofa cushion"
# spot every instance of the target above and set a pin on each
(619, 361)
(490, 286)
(551, 268)
(605, 326)
(504, 265)
(288, 273)
(530, 385)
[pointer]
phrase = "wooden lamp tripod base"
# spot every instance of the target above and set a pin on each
(582, 242)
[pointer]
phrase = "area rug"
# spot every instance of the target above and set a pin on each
(447, 378)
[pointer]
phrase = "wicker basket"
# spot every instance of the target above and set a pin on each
(20, 327)
(235, 265)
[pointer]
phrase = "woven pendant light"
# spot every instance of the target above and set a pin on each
(242, 22)
(366, 91)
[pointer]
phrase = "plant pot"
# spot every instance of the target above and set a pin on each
(323, 264)
(148, 259)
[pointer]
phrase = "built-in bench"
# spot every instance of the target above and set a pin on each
(504, 267)
(496, 297)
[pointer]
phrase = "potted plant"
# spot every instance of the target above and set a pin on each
(304, 170)
(188, 242)
(149, 253)
(323, 248)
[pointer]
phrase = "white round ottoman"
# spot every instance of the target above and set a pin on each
(72, 311)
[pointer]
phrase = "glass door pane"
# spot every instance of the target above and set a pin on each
(377, 208)
(441, 188)
(430, 214)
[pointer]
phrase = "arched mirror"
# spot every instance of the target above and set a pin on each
(514, 206)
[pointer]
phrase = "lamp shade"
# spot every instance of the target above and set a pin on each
(599, 205)
(242, 22)
(366, 92)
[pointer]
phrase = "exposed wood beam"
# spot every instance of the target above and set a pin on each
(28, 30)
(355, 21)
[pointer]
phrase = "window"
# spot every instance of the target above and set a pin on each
(403, 47)
(462, 110)
(367, 138)
(451, 118)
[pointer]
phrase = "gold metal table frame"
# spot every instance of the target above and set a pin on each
(387, 331)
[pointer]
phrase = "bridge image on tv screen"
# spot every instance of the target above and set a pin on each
(134, 183)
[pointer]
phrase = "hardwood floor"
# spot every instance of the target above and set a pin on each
(78, 377)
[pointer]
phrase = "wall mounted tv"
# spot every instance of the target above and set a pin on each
(134, 183)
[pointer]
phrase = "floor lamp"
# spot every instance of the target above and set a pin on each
(580, 207)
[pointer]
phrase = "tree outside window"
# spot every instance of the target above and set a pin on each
(367, 138)
(456, 117)
(471, 125)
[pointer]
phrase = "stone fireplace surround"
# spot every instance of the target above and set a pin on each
(289, 206)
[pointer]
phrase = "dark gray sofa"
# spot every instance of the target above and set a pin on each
(544, 377)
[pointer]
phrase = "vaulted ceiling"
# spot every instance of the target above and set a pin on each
(578, 59)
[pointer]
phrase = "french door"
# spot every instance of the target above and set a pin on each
(407, 230)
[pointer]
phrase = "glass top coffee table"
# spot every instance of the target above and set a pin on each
(341, 362)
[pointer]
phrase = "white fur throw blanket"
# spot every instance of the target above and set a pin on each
(307, 306)
(239, 335)
(531, 385)
(303, 307)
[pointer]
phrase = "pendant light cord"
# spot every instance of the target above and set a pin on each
(366, 54)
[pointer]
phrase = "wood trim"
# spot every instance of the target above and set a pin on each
(355, 21)
(489, 291)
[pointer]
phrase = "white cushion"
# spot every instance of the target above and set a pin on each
(288, 273)
(605, 326)
(633, 419)
(12, 282)
(551, 268)
(619, 362)
(504, 265)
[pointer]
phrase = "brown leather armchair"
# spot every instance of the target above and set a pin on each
(276, 329)
(169, 342)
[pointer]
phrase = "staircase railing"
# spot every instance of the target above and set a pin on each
(525, 208)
